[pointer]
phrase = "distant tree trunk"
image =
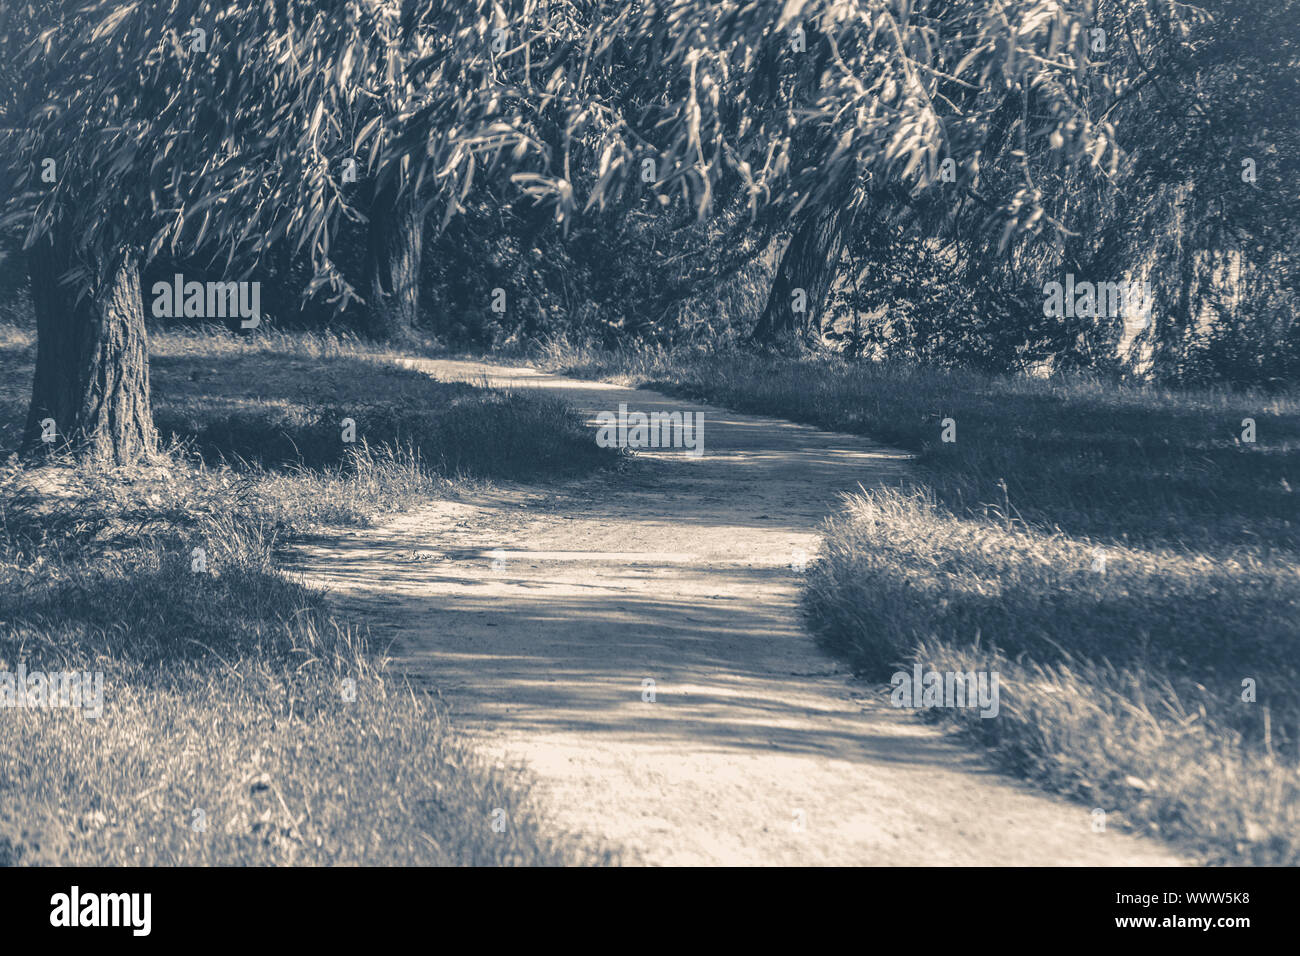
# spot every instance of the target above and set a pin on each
(394, 255)
(92, 360)
(810, 263)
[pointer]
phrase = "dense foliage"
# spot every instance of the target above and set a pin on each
(614, 171)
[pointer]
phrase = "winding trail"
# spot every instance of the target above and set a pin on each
(538, 614)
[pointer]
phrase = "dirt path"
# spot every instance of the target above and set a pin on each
(539, 615)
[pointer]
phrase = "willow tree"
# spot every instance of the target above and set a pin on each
(207, 129)
(121, 144)
(819, 107)
(91, 383)
(429, 99)
(1198, 206)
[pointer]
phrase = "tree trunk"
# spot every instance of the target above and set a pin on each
(394, 251)
(808, 265)
(92, 361)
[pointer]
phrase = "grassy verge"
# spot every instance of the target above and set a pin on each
(241, 723)
(1118, 554)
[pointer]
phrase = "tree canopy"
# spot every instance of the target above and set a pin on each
(800, 142)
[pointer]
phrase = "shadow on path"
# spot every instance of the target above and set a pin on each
(635, 639)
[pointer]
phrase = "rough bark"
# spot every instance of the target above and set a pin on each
(92, 361)
(810, 262)
(394, 254)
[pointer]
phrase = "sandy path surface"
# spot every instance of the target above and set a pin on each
(540, 614)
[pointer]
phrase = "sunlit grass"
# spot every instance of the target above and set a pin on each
(243, 723)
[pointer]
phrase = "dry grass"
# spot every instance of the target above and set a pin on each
(242, 723)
